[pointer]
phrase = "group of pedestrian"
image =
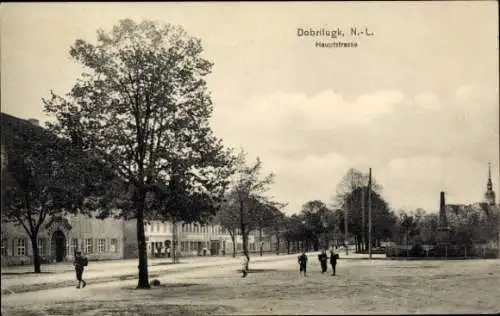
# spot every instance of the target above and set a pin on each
(323, 259)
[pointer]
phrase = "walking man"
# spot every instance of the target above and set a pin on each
(322, 257)
(303, 263)
(333, 260)
(79, 263)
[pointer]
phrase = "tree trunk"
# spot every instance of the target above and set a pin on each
(141, 241)
(277, 245)
(174, 241)
(233, 238)
(245, 247)
(287, 247)
(260, 241)
(36, 255)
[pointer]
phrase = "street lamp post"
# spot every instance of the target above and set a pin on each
(303, 248)
(345, 228)
(370, 214)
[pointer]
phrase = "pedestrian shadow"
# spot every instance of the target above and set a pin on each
(259, 270)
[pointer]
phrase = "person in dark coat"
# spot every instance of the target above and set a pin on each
(333, 260)
(322, 257)
(303, 263)
(79, 263)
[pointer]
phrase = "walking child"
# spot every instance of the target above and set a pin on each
(79, 263)
(303, 263)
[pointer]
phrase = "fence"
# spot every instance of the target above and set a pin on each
(442, 251)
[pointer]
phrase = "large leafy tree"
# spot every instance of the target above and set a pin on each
(228, 218)
(319, 219)
(263, 216)
(428, 226)
(353, 180)
(142, 106)
(277, 225)
(45, 177)
(295, 232)
(352, 198)
(248, 196)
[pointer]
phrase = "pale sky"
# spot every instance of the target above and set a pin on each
(418, 101)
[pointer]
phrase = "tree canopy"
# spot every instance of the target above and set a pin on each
(142, 105)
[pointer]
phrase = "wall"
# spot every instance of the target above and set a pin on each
(79, 229)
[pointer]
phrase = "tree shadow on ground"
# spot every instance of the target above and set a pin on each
(165, 285)
(27, 273)
(123, 307)
(163, 264)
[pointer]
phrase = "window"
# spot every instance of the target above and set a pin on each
(184, 246)
(101, 245)
(21, 247)
(88, 245)
(113, 247)
(4, 247)
(74, 245)
(41, 246)
(193, 246)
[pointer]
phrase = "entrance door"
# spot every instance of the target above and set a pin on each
(59, 245)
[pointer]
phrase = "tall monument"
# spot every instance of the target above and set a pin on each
(443, 235)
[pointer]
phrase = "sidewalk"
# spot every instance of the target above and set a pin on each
(27, 270)
(117, 270)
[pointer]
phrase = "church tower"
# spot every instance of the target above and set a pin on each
(489, 196)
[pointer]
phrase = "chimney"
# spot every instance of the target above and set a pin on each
(34, 121)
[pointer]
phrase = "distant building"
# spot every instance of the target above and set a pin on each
(192, 239)
(481, 212)
(60, 237)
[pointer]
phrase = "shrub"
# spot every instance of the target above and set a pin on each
(155, 282)
(417, 251)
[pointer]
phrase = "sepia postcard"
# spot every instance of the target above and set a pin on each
(257, 158)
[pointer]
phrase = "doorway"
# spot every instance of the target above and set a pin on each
(59, 245)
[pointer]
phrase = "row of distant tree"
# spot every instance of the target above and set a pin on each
(319, 225)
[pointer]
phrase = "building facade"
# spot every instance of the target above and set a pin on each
(61, 236)
(191, 239)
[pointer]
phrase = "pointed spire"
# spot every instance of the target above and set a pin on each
(489, 196)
